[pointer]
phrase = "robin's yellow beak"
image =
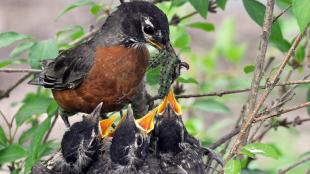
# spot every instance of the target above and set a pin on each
(155, 43)
(105, 126)
(147, 122)
(170, 98)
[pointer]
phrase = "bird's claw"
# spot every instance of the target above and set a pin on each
(178, 68)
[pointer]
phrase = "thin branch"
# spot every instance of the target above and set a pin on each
(19, 70)
(50, 129)
(283, 111)
(294, 165)
(224, 138)
(221, 93)
(258, 74)
(5, 120)
(8, 91)
(270, 86)
(281, 13)
(85, 37)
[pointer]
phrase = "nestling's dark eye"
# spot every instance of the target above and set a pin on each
(148, 30)
(139, 140)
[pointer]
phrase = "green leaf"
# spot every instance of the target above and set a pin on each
(26, 135)
(232, 167)
(248, 69)
(187, 80)
(95, 9)
(69, 34)
(77, 4)
(12, 153)
(47, 49)
(211, 105)
(300, 54)
(21, 48)
(201, 6)
(308, 100)
(52, 108)
(302, 12)
(152, 76)
(256, 11)
(7, 38)
(202, 26)
(47, 148)
(267, 150)
(4, 63)
(35, 106)
(178, 3)
(3, 139)
(221, 3)
(179, 38)
(247, 153)
(35, 148)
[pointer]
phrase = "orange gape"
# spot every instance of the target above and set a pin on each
(114, 77)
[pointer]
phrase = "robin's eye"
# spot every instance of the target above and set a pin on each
(139, 140)
(148, 30)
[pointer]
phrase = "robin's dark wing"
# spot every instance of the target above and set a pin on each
(69, 69)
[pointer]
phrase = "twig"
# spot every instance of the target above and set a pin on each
(19, 70)
(5, 120)
(85, 37)
(50, 129)
(270, 86)
(294, 165)
(224, 138)
(8, 91)
(258, 73)
(221, 93)
(281, 13)
(176, 19)
(283, 111)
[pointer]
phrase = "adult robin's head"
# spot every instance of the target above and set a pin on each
(135, 23)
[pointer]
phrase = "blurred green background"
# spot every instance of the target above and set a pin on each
(220, 49)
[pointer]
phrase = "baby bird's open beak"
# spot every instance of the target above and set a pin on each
(105, 126)
(170, 98)
(147, 122)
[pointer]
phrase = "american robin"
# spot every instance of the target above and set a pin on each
(110, 66)
(80, 144)
(128, 148)
(177, 150)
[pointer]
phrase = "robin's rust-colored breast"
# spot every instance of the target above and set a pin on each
(113, 79)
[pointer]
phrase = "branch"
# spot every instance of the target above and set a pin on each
(294, 165)
(283, 111)
(258, 73)
(85, 37)
(224, 138)
(281, 13)
(20, 70)
(8, 91)
(221, 93)
(270, 86)
(50, 129)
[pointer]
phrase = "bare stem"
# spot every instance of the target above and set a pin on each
(294, 165)
(281, 13)
(283, 111)
(258, 74)
(8, 91)
(15, 70)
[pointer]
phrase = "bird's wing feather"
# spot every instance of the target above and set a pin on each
(68, 70)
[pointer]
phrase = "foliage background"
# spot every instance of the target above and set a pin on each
(217, 58)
